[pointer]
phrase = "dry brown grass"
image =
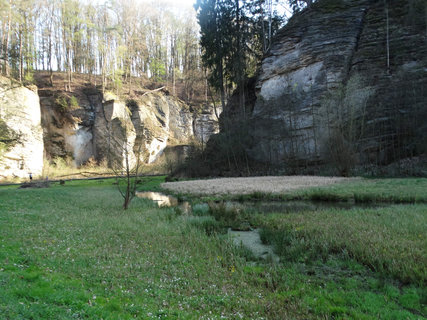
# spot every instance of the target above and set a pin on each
(268, 184)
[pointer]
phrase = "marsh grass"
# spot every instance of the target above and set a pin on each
(390, 240)
(402, 190)
(71, 252)
(200, 209)
(208, 224)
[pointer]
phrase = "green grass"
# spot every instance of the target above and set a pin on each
(71, 252)
(403, 190)
(151, 183)
(391, 241)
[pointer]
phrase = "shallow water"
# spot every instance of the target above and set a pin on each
(295, 206)
(161, 199)
(251, 238)
(164, 200)
(252, 241)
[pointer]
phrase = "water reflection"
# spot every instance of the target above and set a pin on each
(162, 200)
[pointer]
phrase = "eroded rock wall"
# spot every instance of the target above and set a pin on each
(105, 128)
(327, 82)
(20, 110)
(69, 132)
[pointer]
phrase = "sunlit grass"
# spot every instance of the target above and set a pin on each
(144, 262)
(250, 185)
(70, 251)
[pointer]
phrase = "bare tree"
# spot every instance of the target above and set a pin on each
(345, 111)
(127, 177)
(124, 159)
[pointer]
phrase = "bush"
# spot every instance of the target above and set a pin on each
(65, 103)
(73, 102)
(62, 103)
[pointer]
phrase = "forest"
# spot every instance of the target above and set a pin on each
(124, 39)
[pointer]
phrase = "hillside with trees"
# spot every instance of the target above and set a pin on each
(113, 43)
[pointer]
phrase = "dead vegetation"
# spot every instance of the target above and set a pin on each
(266, 184)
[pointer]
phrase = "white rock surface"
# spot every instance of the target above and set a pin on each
(20, 109)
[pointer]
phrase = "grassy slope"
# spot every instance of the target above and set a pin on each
(71, 252)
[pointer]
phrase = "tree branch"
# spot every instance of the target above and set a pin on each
(151, 91)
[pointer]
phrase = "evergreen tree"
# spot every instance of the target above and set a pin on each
(233, 39)
(298, 5)
(214, 18)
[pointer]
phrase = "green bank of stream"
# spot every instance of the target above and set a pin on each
(241, 231)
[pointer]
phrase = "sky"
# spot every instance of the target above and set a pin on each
(183, 2)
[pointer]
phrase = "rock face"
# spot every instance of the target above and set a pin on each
(332, 87)
(206, 123)
(69, 131)
(105, 128)
(114, 134)
(20, 110)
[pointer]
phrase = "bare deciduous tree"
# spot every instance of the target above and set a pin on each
(125, 162)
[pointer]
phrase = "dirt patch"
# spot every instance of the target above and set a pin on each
(41, 184)
(269, 184)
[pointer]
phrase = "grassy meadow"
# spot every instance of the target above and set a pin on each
(71, 252)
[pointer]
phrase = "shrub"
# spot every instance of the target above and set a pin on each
(65, 103)
(62, 103)
(73, 102)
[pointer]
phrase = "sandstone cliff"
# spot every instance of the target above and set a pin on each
(105, 127)
(20, 111)
(333, 89)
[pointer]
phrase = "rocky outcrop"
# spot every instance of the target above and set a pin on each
(68, 129)
(205, 123)
(20, 111)
(160, 120)
(105, 128)
(327, 90)
(114, 134)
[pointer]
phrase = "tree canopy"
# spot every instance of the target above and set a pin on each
(116, 39)
(234, 35)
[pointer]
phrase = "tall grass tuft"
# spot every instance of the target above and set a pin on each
(391, 241)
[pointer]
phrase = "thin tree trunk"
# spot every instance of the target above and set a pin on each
(387, 36)
(5, 53)
(21, 61)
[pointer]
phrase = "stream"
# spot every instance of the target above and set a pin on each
(250, 239)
